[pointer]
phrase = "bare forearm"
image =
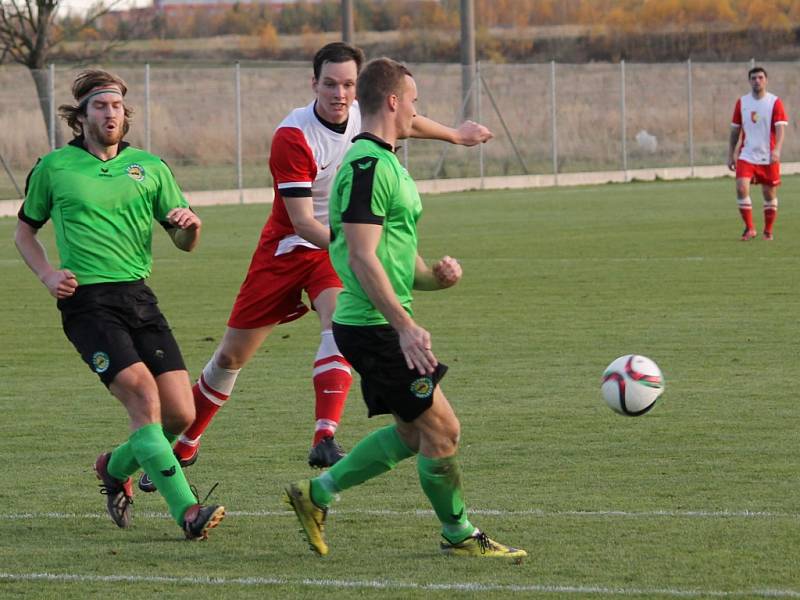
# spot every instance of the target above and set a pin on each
(428, 129)
(313, 231)
(186, 239)
(424, 279)
(34, 255)
(733, 141)
(780, 133)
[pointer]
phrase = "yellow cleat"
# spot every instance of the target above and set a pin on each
(479, 544)
(311, 517)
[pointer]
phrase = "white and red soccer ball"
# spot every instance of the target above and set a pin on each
(632, 384)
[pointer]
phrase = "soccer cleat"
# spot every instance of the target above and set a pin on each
(768, 236)
(749, 234)
(198, 519)
(147, 485)
(325, 454)
(479, 544)
(311, 517)
(119, 493)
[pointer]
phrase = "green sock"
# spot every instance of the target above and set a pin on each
(441, 481)
(123, 463)
(155, 455)
(375, 454)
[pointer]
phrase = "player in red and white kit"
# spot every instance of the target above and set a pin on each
(292, 257)
(760, 120)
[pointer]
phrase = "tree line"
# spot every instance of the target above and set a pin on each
(628, 16)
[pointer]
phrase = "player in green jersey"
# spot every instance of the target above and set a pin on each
(103, 196)
(374, 208)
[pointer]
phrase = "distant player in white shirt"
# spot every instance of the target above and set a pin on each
(760, 121)
(292, 252)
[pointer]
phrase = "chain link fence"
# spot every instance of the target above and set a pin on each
(214, 125)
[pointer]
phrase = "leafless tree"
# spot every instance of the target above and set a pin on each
(29, 33)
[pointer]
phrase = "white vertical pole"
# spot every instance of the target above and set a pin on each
(690, 102)
(239, 133)
(479, 82)
(147, 139)
(623, 118)
(553, 113)
(51, 91)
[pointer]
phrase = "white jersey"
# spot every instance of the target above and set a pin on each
(304, 157)
(758, 117)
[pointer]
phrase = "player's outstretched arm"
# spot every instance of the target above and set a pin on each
(444, 273)
(60, 283)
(468, 133)
(185, 231)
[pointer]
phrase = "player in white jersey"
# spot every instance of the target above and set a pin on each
(292, 256)
(759, 119)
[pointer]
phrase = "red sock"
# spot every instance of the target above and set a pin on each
(332, 381)
(770, 215)
(207, 402)
(747, 217)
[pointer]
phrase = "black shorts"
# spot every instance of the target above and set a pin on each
(114, 325)
(388, 385)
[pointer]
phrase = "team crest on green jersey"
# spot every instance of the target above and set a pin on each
(136, 172)
(422, 387)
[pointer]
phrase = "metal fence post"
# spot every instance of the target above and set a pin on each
(239, 134)
(479, 77)
(690, 102)
(623, 119)
(553, 112)
(51, 91)
(147, 140)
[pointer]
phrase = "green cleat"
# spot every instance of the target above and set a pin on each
(479, 544)
(311, 516)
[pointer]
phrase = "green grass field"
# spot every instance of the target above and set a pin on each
(696, 499)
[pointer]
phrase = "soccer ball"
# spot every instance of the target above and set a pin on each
(632, 384)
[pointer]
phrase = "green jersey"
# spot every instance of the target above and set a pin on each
(373, 187)
(102, 211)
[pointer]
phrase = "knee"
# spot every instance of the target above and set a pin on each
(179, 419)
(447, 437)
(228, 359)
(453, 432)
(142, 403)
(742, 191)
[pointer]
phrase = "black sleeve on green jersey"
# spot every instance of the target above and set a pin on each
(21, 213)
(359, 208)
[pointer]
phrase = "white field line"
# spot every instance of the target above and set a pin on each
(621, 514)
(397, 585)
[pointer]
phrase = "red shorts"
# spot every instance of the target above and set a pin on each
(272, 291)
(765, 174)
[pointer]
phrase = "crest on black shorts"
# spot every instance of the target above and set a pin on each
(422, 387)
(100, 362)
